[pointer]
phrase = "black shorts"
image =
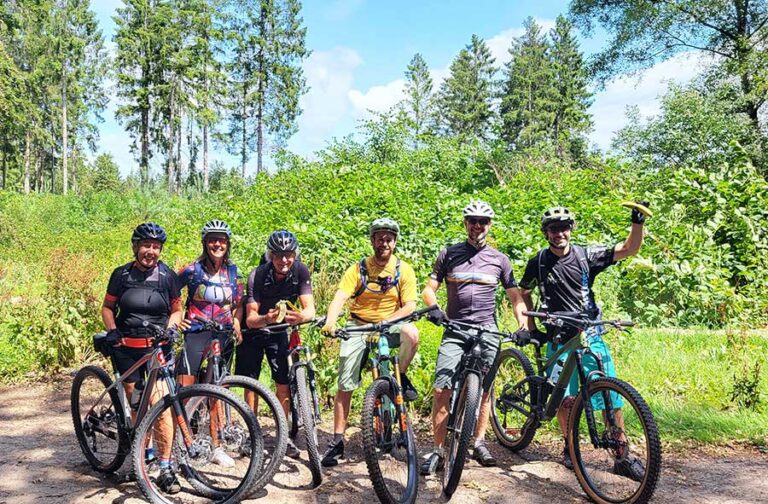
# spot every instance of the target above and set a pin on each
(251, 352)
(124, 357)
(194, 347)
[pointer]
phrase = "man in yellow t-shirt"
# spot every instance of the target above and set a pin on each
(381, 287)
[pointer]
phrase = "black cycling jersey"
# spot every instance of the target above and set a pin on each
(264, 289)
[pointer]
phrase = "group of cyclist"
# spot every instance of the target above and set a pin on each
(379, 287)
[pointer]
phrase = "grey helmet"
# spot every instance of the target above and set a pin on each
(149, 231)
(282, 241)
(384, 224)
(216, 226)
(479, 209)
(557, 215)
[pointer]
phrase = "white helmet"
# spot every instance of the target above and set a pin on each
(479, 209)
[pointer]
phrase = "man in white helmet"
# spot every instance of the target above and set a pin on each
(471, 270)
(380, 287)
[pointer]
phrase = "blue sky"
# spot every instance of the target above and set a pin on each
(360, 49)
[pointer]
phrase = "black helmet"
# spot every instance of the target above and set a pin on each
(559, 215)
(149, 231)
(216, 226)
(282, 241)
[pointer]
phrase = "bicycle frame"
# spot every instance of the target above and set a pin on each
(300, 355)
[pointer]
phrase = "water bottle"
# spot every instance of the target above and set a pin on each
(556, 370)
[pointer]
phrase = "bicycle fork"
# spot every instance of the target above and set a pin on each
(589, 411)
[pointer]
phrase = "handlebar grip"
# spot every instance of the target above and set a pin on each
(535, 314)
(625, 323)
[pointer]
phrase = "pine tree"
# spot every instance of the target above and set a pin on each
(418, 104)
(528, 100)
(268, 77)
(572, 121)
(466, 96)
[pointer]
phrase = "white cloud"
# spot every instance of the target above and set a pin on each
(643, 90)
(377, 98)
(500, 44)
(327, 104)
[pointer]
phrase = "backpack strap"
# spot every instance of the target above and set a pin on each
(581, 257)
(363, 268)
(542, 279)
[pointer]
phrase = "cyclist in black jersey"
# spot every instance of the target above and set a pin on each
(145, 289)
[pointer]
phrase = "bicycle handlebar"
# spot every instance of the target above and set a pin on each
(162, 334)
(463, 327)
(384, 324)
(559, 319)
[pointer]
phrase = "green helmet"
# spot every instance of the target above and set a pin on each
(384, 224)
(557, 215)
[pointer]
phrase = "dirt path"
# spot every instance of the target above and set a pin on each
(41, 462)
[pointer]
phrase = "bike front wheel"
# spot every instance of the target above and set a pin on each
(304, 404)
(512, 399)
(271, 420)
(212, 440)
(622, 464)
(98, 418)
(461, 432)
(389, 446)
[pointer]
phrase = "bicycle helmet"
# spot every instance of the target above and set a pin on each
(557, 215)
(216, 226)
(282, 241)
(384, 224)
(149, 231)
(479, 209)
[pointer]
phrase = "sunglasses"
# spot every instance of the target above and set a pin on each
(482, 222)
(560, 228)
(216, 240)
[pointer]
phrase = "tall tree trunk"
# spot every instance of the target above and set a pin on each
(179, 165)
(144, 164)
(64, 136)
(27, 154)
(244, 147)
(170, 153)
(260, 108)
(205, 157)
(74, 165)
(53, 172)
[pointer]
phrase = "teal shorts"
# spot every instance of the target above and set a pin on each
(598, 346)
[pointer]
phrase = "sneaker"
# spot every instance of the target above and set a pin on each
(432, 463)
(332, 455)
(292, 451)
(629, 467)
(566, 459)
(221, 458)
(483, 456)
(167, 482)
(409, 391)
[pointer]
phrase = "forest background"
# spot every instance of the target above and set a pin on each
(196, 76)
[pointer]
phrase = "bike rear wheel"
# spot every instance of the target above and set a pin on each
(389, 446)
(215, 419)
(512, 397)
(98, 418)
(625, 466)
(271, 421)
(303, 403)
(458, 438)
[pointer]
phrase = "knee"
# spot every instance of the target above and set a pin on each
(410, 334)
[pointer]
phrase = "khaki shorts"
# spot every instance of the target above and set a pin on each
(353, 354)
(452, 347)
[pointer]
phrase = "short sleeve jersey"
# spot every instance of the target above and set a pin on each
(564, 277)
(211, 296)
(263, 287)
(375, 304)
(471, 277)
(142, 296)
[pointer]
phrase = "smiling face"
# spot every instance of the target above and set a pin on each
(477, 228)
(383, 243)
(147, 252)
(216, 246)
(558, 235)
(283, 261)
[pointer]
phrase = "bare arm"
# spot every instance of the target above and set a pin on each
(528, 300)
(335, 308)
(307, 310)
(631, 245)
(429, 294)
(404, 310)
(108, 316)
(176, 314)
(518, 306)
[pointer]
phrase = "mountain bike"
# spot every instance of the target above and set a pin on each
(466, 396)
(610, 429)
(305, 407)
(106, 432)
(389, 443)
(273, 425)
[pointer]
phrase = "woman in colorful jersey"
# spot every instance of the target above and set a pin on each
(144, 290)
(214, 292)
